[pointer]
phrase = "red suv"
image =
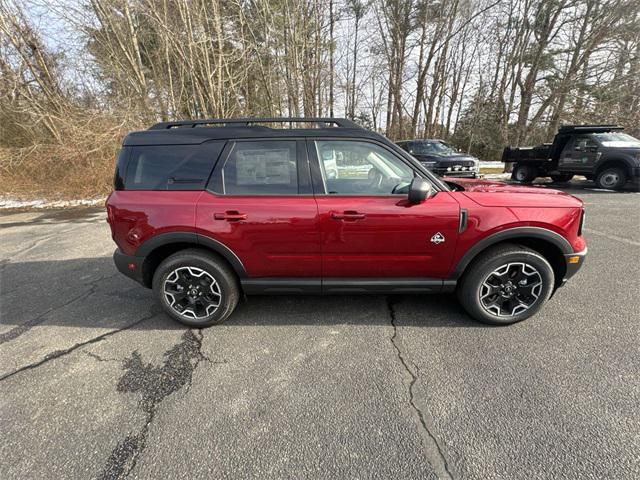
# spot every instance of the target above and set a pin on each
(207, 211)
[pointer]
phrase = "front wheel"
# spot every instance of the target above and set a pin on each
(611, 178)
(506, 284)
(196, 288)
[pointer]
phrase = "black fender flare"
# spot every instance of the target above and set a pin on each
(197, 240)
(615, 160)
(511, 234)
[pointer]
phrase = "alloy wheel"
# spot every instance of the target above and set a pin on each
(510, 289)
(192, 292)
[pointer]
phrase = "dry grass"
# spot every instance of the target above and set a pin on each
(81, 165)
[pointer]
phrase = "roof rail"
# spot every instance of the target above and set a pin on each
(246, 122)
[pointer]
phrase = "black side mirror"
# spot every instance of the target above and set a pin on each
(419, 190)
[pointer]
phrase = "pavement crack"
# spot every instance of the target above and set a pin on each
(61, 353)
(154, 384)
(99, 358)
(29, 324)
(433, 450)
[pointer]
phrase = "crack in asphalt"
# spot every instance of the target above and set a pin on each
(433, 450)
(29, 324)
(41, 240)
(154, 383)
(61, 353)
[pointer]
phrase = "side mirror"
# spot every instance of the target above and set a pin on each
(419, 190)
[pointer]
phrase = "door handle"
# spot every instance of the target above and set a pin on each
(348, 215)
(230, 216)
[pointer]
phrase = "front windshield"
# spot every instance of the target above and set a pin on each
(617, 140)
(436, 148)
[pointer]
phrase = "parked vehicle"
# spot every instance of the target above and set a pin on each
(205, 212)
(441, 158)
(599, 152)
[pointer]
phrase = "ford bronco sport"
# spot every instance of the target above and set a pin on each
(204, 212)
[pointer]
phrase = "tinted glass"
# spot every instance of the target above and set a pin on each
(121, 167)
(261, 167)
(171, 167)
(361, 168)
(582, 143)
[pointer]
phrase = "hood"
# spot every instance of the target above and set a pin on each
(492, 193)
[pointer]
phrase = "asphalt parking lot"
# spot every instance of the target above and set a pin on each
(95, 382)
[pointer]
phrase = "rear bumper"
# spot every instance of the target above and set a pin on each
(574, 263)
(129, 265)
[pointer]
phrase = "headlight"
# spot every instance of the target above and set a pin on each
(429, 164)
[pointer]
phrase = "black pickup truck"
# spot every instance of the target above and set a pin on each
(602, 153)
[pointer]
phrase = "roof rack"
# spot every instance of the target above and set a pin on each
(588, 128)
(247, 122)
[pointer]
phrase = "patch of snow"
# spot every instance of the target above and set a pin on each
(497, 176)
(491, 164)
(9, 202)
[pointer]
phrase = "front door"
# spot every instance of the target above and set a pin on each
(580, 155)
(259, 204)
(369, 229)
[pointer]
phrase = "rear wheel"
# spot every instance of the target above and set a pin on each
(523, 173)
(612, 178)
(562, 178)
(196, 288)
(506, 284)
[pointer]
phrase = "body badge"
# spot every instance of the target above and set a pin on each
(437, 238)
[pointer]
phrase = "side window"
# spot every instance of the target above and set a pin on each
(581, 144)
(260, 167)
(171, 167)
(121, 168)
(361, 168)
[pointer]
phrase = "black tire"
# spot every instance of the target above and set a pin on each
(611, 178)
(563, 178)
(186, 266)
(523, 174)
(480, 277)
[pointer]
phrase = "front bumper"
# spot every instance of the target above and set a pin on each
(129, 265)
(574, 263)
(455, 173)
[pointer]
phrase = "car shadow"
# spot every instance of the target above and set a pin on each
(90, 293)
(578, 185)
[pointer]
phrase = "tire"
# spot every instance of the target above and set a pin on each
(215, 289)
(563, 178)
(480, 279)
(523, 174)
(611, 178)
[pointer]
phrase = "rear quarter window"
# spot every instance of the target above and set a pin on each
(121, 168)
(171, 167)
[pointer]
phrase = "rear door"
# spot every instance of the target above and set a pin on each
(259, 204)
(369, 229)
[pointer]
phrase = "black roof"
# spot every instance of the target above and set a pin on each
(189, 132)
